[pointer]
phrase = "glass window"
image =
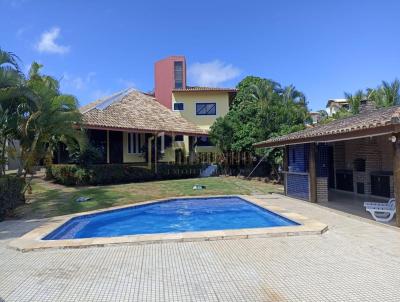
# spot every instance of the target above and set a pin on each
(179, 138)
(134, 143)
(203, 141)
(206, 109)
(178, 106)
(178, 74)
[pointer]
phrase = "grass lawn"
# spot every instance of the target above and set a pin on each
(49, 200)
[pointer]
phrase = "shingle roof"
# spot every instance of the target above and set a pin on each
(133, 110)
(198, 88)
(375, 122)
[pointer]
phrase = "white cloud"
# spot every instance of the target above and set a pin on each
(212, 73)
(69, 81)
(48, 42)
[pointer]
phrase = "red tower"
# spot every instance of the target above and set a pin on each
(169, 74)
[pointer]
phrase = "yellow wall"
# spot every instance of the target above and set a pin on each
(132, 158)
(169, 154)
(190, 98)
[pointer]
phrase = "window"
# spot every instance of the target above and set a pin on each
(178, 74)
(179, 138)
(178, 106)
(206, 109)
(134, 143)
(203, 141)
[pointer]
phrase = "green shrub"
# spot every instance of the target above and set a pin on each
(118, 173)
(65, 174)
(11, 194)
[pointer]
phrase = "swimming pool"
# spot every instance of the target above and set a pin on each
(171, 216)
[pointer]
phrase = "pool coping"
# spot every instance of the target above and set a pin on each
(33, 240)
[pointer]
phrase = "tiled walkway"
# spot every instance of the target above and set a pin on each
(356, 260)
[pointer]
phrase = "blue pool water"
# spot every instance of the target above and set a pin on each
(171, 216)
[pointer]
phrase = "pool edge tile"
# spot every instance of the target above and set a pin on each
(33, 240)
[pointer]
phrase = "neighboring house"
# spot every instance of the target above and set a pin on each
(198, 105)
(316, 117)
(124, 128)
(334, 105)
(359, 154)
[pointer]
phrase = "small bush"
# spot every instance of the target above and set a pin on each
(11, 194)
(118, 173)
(67, 174)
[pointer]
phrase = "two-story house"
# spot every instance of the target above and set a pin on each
(198, 105)
(334, 105)
(132, 127)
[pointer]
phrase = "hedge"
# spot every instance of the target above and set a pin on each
(11, 194)
(117, 173)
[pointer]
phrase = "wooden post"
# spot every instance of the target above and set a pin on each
(149, 151)
(312, 173)
(155, 152)
(285, 166)
(396, 176)
(108, 146)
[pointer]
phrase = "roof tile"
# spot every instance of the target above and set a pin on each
(372, 119)
(137, 111)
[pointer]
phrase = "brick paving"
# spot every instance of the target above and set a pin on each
(356, 260)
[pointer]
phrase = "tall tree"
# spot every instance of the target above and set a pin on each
(262, 109)
(51, 118)
(11, 83)
(385, 95)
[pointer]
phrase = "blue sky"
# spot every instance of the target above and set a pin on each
(98, 47)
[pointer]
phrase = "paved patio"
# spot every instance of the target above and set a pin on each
(356, 260)
(353, 204)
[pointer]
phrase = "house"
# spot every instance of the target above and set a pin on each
(129, 124)
(134, 127)
(198, 105)
(334, 105)
(359, 155)
(315, 117)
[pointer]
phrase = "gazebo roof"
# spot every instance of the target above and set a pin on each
(372, 123)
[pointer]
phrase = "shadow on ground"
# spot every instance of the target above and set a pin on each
(10, 229)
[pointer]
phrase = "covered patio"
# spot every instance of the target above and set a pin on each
(346, 162)
(132, 127)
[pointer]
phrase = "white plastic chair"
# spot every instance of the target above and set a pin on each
(381, 211)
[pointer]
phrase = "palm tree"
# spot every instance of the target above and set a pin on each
(10, 73)
(291, 94)
(11, 79)
(355, 101)
(51, 118)
(264, 92)
(389, 93)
